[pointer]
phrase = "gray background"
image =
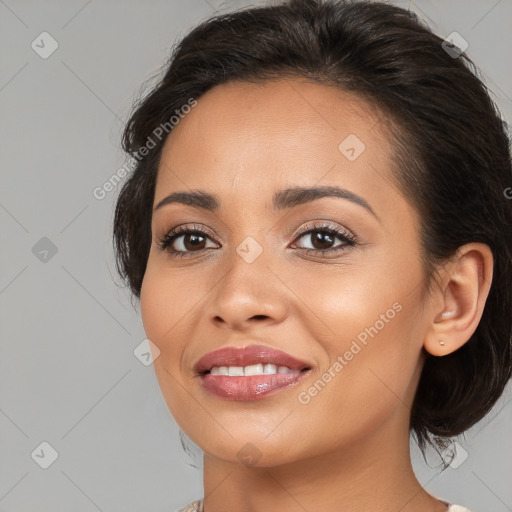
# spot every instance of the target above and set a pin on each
(68, 374)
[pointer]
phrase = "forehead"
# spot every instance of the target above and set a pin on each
(244, 136)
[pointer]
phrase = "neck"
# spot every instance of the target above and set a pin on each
(366, 474)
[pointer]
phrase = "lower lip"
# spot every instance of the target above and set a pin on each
(253, 387)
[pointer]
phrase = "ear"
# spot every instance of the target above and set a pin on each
(460, 299)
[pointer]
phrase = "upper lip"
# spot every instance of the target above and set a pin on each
(248, 355)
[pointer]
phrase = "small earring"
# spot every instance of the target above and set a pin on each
(441, 342)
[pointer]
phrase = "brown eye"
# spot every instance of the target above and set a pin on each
(322, 239)
(191, 242)
(184, 241)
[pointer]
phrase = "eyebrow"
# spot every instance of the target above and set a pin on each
(283, 199)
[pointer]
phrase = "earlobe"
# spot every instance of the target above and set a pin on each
(462, 293)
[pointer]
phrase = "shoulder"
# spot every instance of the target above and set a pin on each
(197, 506)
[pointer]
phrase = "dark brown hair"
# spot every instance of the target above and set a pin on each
(452, 157)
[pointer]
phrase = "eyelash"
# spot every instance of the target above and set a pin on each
(325, 227)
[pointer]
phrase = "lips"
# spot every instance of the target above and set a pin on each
(234, 384)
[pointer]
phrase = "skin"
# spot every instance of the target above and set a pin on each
(348, 447)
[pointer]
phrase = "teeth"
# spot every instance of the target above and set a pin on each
(255, 369)
(235, 371)
(270, 368)
(219, 370)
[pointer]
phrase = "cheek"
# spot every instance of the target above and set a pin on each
(153, 300)
(347, 302)
(166, 311)
(164, 316)
(371, 331)
(364, 384)
(166, 301)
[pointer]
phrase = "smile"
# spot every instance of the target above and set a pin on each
(249, 373)
(255, 369)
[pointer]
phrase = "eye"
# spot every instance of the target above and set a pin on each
(182, 240)
(322, 238)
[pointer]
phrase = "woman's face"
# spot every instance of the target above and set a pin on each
(352, 317)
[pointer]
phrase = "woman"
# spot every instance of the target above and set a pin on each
(318, 231)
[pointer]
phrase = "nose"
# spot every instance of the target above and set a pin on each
(248, 294)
